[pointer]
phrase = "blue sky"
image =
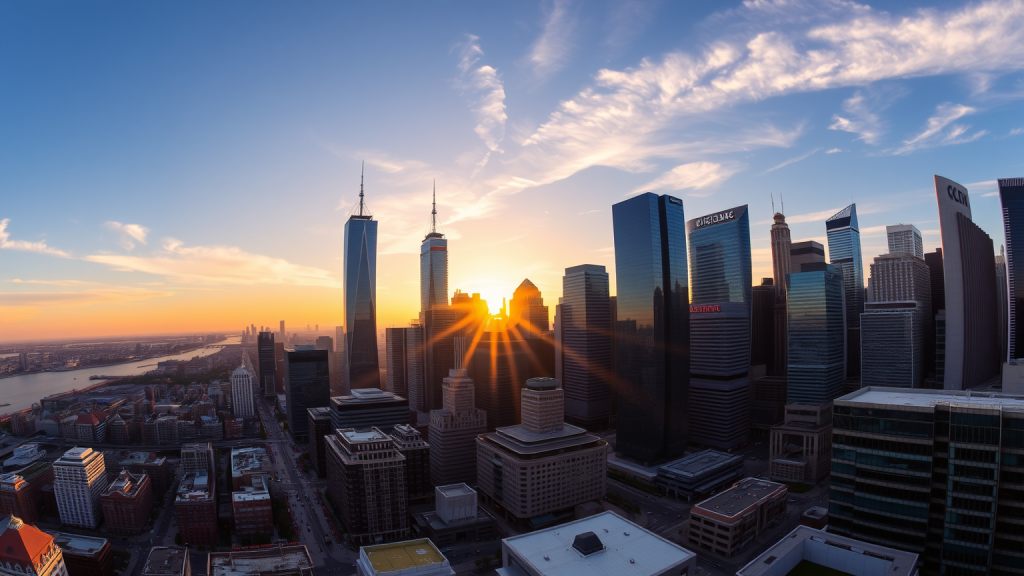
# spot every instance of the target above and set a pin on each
(189, 166)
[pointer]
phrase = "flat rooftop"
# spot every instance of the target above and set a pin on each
(700, 463)
(165, 560)
(363, 435)
(319, 412)
(77, 544)
(629, 550)
(743, 495)
(402, 555)
(293, 558)
(831, 551)
(924, 398)
(455, 490)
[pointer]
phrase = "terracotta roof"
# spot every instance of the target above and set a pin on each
(93, 418)
(22, 543)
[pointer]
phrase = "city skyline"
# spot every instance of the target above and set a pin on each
(188, 220)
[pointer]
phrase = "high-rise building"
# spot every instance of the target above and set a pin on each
(360, 298)
(782, 245)
(897, 333)
(338, 363)
(267, 364)
(1011, 195)
(453, 432)
(652, 326)
(905, 238)
(433, 264)
(127, 504)
(1003, 304)
(844, 253)
(25, 549)
(307, 385)
(319, 428)
(541, 466)
(441, 326)
(369, 407)
(762, 325)
(79, 477)
(721, 295)
(279, 368)
(243, 387)
(409, 442)
(197, 456)
(805, 252)
(817, 332)
(527, 312)
(586, 345)
(282, 335)
(968, 260)
(498, 365)
(934, 472)
(404, 359)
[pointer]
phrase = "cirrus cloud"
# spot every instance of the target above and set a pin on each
(694, 175)
(24, 245)
(130, 233)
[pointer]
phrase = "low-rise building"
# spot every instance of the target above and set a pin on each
(197, 456)
(411, 557)
(85, 555)
(457, 517)
(597, 545)
(728, 521)
(287, 560)
(149, 463)
(248, 464)
(21, 493)
(26, 550)
(815, 517)
(24, 455)
(127, 503)
(801, 448)
(196, 508)
(699, 474)
(251, 508)
(167, 561)
(817, 552)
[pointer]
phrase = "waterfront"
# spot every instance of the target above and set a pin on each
(27, 389)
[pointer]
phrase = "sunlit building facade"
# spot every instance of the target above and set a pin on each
(360, 299)
(586, 345)
(844, 253)
(817, 332)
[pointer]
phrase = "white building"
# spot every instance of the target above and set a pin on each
(243, 382)
(24, 455)
(817, 548)
(79, 477)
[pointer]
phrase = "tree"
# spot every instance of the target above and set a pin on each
(483, 562)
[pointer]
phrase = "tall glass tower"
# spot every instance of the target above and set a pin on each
(433, 265)
(816, 334)
(586, 345)
(360, 293)
(1011, 194)
(720, 278)
(652, 326)
(844, 252)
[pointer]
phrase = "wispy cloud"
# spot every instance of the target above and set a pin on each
(695, 175)
(112, 294)
(1016, 131)
(935, 132)
(803, 156)
(550, 52)
(488, 91)
(860, 120)
(54, 282)
(833, 151)
(24, 245)
(130, 233)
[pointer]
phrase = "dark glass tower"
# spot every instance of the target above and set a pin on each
(307, 385)
(360, 286)
(720, 279)
(817, 332)
(267, 363)
(586, 345)
(844, 252)
(1011, 193)
(652, 326)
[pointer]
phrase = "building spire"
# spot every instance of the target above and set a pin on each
(773, 203)
(362, 170)
(433, 211)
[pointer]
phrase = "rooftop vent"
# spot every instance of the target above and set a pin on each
(587, 543)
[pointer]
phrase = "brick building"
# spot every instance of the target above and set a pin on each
(418, 487)
(196, 508)
(156, 467)
(21, 493)
(727, 522)
(127, 503)
(252, 509)
(85, 555)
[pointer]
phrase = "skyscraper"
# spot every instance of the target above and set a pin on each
(433, 264)
(527, 311)
(405, 363)
(1002, 304)
(781, 246)
(905, 238)
(762, 325)
(817, 332)
(360, 298)
(79, 477)
(243, 402)
(805, 252)
(586, 345)
(897, 333)
(267, 364)
(844, 252)
(1011, 194)
(652, 326)
(453, 432)
(968, 260)
(782, 265)
(307, 385)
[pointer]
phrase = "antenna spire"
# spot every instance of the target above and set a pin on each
(433, 211)
(362, 170)
(773, 203)
(783, 202)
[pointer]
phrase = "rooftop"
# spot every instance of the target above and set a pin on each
(455, 490)
(319, 412)
(165, 561)
(924, 398)
(629, 550)
(371, 435)
(137, 458)
(366, 395)
(77, 544)
(846, 555)
(700, 463)
(736, 500)
(75, 455)
(194, 485)
(248, 459)
(385, 558)
(20, 543)
(526, 436)
(283, 559)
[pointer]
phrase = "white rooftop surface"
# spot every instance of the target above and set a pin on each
(456, 490)
(363, 435)
(245, 563)
(837, 552)
(927, 398)
(650, 553)
(521, 434)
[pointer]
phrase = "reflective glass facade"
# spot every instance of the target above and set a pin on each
(1011, 193)
(307, 385)
(816, 336)
(844, 252)
(719, 248)
(267, 365)
(360, 286)
(433, 271)
(586, 345)
(652, 326)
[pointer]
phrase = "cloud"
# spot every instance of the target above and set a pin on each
(130, 233)
(488, 92)
(1016, 131)
(53, 282)
(695, 175)
(211, 265)
(833, 151)
(935, 132)
(866, 124)
(792, 161)
(550, 52)
(113, 294)
(7, 244)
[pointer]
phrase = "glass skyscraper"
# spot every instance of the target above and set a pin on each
(652, 326)
(1011, 194)
(307, 384)
(266, 364)
(586, 345)
(433, 266)
(844, 252)
(360, 294)
(817, 332)
(722, 289)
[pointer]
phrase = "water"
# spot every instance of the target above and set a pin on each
(27, 389)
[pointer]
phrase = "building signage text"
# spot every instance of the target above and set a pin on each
(715, 218)
(705, 308)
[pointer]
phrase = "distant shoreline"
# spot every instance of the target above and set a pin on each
(94, 366)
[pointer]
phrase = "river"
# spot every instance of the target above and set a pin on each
(25, 390)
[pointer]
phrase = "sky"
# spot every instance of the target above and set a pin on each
(189, 166)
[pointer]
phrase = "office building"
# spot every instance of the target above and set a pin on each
(319, 428)
(812, 551)
(21, 492)
(1002, 304)
(197, 456)
(950, 490)
(409, 442)
(844, 253)
(157, 468)
(433, 265)
(762, 325)
(419, 557)
(243, 400)
(360, 300)
(535, 469)
(368, 407)
(499, 364)
(527, 314)
(170, 560)
(279, 560)
(441, 326)
(652, 327)
(404, 357)
(79, 477)
(195, 506)
(251, 508)
(366, 483)
(729, 521)
(266, 364)
(971, 325)
(307, 385)
(337, 368)
(127, 503)
(456, 518)
(453, 432)
(248, 465)
(905, 238)
(800, 450)
(699, 474)
(85, 555)
(602, 544)
(25, 549)
(585, 347)
(782, 245)
(722, 293)
(805, 252)
(817, 332)
(1011, 195)
(279, 368)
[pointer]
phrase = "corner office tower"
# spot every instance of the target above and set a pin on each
(433, 265)
(844, 253)
(969, 270)
(720, 276)
(652, 326)
(1011, 194)
(360, 294)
